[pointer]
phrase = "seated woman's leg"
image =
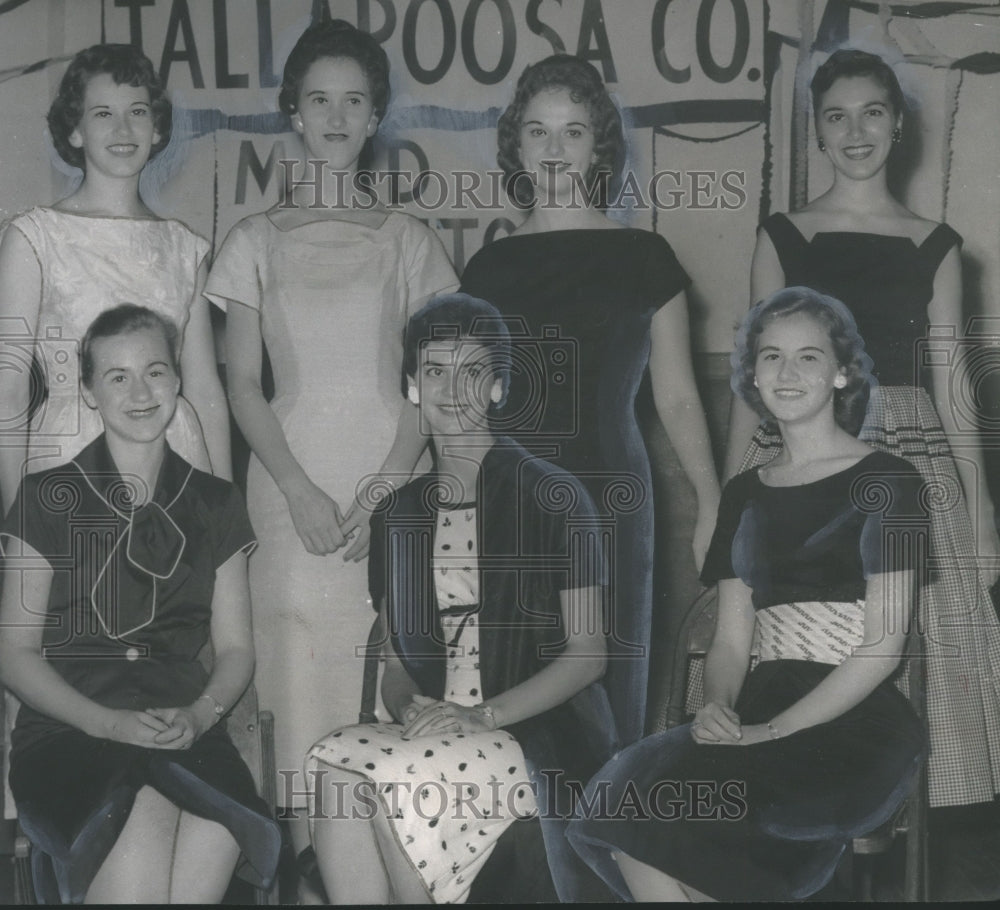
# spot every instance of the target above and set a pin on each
(138, 868)
(649, 885)
(359, 858)
(205, 855)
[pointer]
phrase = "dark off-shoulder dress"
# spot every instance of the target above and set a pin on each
(770, 821)
(579, 305)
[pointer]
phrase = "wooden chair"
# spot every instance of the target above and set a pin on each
(694, 639)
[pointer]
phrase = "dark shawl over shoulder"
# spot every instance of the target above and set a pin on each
(538, 535)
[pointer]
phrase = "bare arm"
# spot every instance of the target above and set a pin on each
(888, 600)
(398, 687)
(945, 310)
(580, 663)
(20, 299)
(766, 277)
(680, 410)
(200, 382)
(408, 445)
(233, 657)
(316, 516)
(726, 664)
(27, 580)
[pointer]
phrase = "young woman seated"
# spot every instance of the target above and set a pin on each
(118, 568)
(815, 557)
(489, 575)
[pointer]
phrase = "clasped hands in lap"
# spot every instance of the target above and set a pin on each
(156, 728)
(715, 724)
(427, 716)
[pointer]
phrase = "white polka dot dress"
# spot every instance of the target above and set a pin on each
(449, 797)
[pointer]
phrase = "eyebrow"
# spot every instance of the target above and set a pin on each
(152, 363)
(774, 347)
(570, 123)
(350, 91)
(876, 103)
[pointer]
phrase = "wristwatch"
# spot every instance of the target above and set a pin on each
(217, 706)
(487, 712)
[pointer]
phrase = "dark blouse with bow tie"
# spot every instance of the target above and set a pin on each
(131, 599)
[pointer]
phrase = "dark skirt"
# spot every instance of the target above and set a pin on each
(74, 794)
(762, 822)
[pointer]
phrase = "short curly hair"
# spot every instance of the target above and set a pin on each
(464, 318)
(850, 402)
(335, 38)
(126, 65)
(125, 319)
(584, 84)
(849, 64)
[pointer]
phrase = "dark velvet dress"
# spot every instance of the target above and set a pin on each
(887, 283)
(579, 304)
(129, 611)
(769, 821)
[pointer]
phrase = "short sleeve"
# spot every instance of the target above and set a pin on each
(29, 521)
(26, 224)
(664, 276)
(232, 531)
(235, 273)
(200, 248)
(719, 560)
(896, 530)
(428, 269)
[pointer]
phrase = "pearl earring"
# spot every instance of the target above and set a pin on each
(821, 144)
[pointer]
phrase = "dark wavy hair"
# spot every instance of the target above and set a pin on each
(584, 84)
(850, 402)
(127, 65)
(848, 64)
(123, 320)
(461, 317)
(335, 38)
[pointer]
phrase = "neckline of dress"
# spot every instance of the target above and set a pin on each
(570, 231)
(319, 220)
(155, 219)
(808, 483)
(808, 241)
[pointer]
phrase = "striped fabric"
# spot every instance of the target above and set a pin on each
(822, 631)
(962, 631)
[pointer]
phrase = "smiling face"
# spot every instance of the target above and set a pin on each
(455, 385)
(855, 122)
(796, 370)
(116, 131)
(557, 139)
(335, 115)
(134, 385)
